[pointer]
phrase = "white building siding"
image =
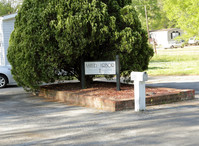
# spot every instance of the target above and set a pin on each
(165, 36)
(2, 54)
(8, 27)
(161, 37)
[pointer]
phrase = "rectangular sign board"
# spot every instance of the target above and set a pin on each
(100, 68)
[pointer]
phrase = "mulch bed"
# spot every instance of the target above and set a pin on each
(108, 89)
(105, 93)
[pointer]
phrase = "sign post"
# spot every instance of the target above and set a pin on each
(118, 72)
(82, 74)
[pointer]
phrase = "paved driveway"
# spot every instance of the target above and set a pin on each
(30, 120)
(179, 82)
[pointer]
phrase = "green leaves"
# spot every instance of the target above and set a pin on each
(185, 14)
(6, 7)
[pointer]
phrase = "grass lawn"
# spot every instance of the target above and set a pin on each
(175, 62)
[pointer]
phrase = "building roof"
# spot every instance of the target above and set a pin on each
(169, 29)
(9, 16)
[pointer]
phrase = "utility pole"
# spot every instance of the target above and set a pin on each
(147, 24)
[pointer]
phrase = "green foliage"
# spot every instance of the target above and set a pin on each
(185, 13)
(6, 8)
(9, 6)
(51, 36)
(156, 16)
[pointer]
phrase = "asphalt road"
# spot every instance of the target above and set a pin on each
(179, 82)
(30, 120)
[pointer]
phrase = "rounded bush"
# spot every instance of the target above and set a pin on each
(52, 36)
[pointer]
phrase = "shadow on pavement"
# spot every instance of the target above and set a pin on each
(177, 85)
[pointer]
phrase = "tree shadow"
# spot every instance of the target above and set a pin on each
(31, 120)
(153, 68)
(177, 85)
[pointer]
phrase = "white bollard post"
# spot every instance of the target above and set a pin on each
(139, 90)
(139, 95)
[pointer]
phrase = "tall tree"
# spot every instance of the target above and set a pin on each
(156, 16)
(51, 36)
(185, 14)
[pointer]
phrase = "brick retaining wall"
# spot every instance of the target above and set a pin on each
(111, 104)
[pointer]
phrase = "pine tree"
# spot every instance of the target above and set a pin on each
(51, 36)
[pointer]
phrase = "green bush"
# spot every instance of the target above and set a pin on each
(50, 36)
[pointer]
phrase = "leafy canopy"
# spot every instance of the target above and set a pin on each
(155, 14)
(6, 7)
(51, 36)
(185, 13)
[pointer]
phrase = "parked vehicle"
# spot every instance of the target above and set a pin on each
(193, 41)
(174, 44)
(6, 76)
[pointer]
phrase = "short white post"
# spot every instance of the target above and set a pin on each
(139, 90)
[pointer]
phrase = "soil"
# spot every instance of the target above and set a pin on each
(108, 90)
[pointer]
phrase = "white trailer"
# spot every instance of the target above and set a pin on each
(6, 28)
(165, 37)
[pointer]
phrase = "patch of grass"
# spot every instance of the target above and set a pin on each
(175, 62)
(176, 58)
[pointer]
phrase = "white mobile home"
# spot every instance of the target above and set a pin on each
(6, 28)
(164, 37)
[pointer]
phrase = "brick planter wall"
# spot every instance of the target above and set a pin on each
(111, 104)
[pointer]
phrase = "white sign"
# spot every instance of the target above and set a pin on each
(100, 68)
